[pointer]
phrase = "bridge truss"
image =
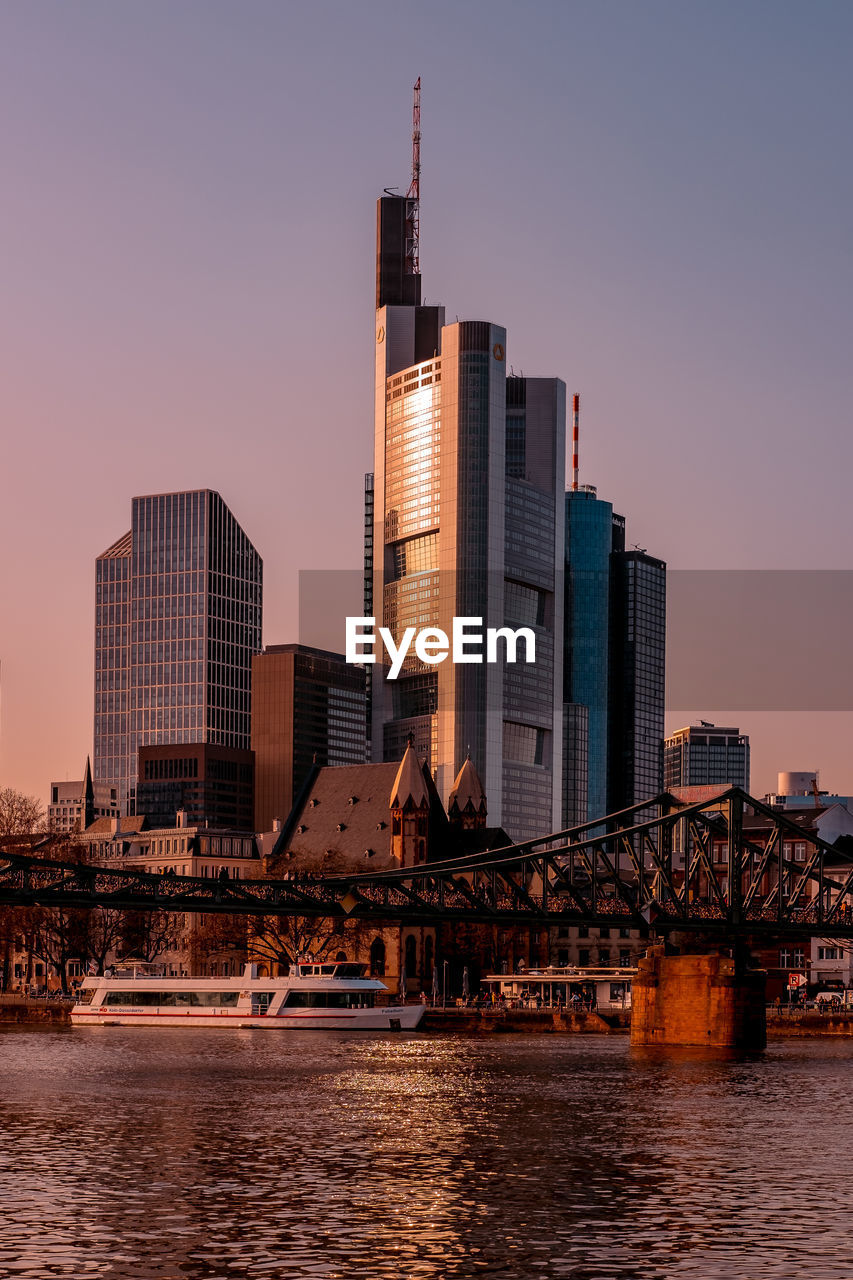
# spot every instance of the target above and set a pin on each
(659, 865)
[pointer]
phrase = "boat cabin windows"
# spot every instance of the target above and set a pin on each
(173, 999)
(339, 969)
(328, 1000)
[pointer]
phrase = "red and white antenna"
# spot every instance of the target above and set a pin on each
(413, 195)
(576, 416)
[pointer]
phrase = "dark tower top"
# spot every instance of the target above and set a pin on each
(396, 285)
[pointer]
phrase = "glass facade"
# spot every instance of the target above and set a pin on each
(702, 755)
(589, 524)
(469, 471)
(638, 648)
(411, 518)
(177, 619)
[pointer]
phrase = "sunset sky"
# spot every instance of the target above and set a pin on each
(653, 198)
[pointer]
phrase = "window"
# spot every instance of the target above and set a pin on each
(583, 957)
(583, 931)
(828, 953)
(604, 957)
(624, 932)
(624, 959)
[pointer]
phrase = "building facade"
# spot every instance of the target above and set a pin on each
(74, 805)
(209, 785)
(468, 477)
(309, 707)
(613, 663)
(177, 620)
(704, 754)
(637, 678)
(592, 534)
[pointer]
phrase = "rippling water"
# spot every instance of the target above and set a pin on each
(301, 1154)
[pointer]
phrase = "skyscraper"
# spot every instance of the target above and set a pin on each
(469, 473)
(177, 619)
(704, 754)
(592, 533)
(637, 678)
(613, 663)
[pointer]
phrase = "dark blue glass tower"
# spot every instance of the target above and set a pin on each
(589, 543)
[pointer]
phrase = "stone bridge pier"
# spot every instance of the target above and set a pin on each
(711, 1000)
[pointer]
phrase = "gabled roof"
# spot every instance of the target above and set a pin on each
(341, 821)
(128, 826)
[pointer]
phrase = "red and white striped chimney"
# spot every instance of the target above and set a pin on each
(576, 414)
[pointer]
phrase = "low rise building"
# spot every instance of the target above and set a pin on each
(74, 805)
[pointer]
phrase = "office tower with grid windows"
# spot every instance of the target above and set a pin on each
(637, 678)
(613, 666)
(704, 754)
(177, 619)
(468, 515)
(593, 532)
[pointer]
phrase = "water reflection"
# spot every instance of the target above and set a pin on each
(196, 1154)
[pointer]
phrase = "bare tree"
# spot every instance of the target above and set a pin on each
(281, 940)
(217, 936)
(59, 936)
(104, 933)
(20, 815)
(145, 935)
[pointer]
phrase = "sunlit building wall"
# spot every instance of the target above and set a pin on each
(464, 529)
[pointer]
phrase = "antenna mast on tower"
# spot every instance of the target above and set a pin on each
(413, 195)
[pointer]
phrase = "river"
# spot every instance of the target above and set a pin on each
(190, 1154)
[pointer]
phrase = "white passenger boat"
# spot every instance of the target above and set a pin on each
(334, 996)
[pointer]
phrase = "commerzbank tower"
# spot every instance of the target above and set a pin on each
(464, 518)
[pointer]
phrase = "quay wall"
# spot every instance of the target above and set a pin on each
(15, 1009)
(809, 1024)
(518, 1021)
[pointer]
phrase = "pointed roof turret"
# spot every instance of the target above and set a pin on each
(88, 797)
(467, 789)
(409, 784)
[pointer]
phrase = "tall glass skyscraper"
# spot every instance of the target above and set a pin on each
(615, 609)
(637, 677)
(177, 618)
(589, 544)
(469, 472)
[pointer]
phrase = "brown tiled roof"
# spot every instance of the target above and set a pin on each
(342, 822)
(104, 826)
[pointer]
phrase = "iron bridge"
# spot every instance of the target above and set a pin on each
(622, 870)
